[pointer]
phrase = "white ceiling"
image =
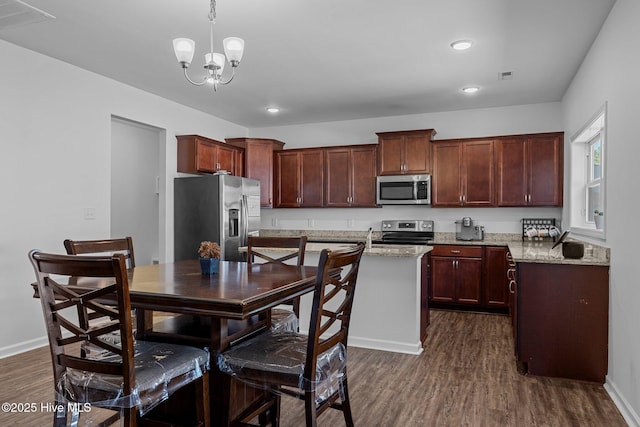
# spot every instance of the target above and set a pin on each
(326, 60)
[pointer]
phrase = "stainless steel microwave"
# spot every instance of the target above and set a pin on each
(403, 190)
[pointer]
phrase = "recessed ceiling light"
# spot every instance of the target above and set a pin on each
(461, 44)
(273, 110)
(470, 89)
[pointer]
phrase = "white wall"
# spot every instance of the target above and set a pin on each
(55, 133)
(609, 73)
(455, 124)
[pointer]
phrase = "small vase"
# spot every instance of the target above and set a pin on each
(209, 266)
(599, 220)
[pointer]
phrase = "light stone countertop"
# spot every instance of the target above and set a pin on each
(522, 251)
(539, 252)
(375, 250)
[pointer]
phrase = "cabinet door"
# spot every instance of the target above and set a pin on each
(511, 172)
(259, 165)
(311, 178)
(468, 280)
(477, 182)
(495, 279)
(338, 180)
(363, 178)
(545, 170)
(226, 159)
(390, 155)
(446, 174)
(443, 279)
(206, 157)
(287, 172)
(417, 154)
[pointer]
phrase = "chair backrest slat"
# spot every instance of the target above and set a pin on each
(335, 287)
(257, 247)
(82, 247)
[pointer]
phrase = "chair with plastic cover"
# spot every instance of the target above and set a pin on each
(122, 245)
(313, 367)
(260, 249)
(135, 381)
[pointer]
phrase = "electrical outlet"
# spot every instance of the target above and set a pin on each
(350, 223)
(89, 214)
(311, 223)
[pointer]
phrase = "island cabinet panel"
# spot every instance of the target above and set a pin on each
(562, 320)
(197, 154)
(425, 279)
(529, 170)
(257, 157)
(463, 173)
(404, 152)
(456, 274)
(299, 176)
(350, 174)
(495, 289)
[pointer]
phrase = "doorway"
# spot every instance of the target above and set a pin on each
(135, 186)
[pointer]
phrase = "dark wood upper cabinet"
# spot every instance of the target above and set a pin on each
(197, 154)
(257, 158)
(299, 177)
(350, 176)
(404, 152)
(529, 170)
(463, 173)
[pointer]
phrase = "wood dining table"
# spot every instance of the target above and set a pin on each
(213, 311)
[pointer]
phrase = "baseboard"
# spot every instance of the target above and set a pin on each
(394, 346)
(14, 349)
(628, 413)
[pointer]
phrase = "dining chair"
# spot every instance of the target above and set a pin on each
(132, 379)
(258, 250)
(104, 246)
(122, 245)
(312, 367)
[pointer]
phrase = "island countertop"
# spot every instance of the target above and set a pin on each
(375, 250)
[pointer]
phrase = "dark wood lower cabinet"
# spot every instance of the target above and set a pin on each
(562, 320)
(469, 276)
(495, 290)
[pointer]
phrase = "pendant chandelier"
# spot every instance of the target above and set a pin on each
(213, 62)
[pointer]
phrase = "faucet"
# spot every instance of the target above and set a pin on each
(369, 234)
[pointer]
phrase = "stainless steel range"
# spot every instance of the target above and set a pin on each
(407, 232)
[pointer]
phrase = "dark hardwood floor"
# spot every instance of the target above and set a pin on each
(466, 376)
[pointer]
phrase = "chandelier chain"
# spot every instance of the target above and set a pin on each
(212, 11)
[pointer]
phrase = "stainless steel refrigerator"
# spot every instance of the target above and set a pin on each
(219, 208)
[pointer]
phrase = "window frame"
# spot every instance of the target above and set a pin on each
(582, 166)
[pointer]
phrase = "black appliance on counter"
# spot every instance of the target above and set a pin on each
(407, 232)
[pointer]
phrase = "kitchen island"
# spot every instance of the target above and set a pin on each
(389, 308)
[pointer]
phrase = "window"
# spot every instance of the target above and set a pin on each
(588, 178)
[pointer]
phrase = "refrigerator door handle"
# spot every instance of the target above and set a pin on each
(244, 226)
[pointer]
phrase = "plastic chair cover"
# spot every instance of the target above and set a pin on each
(156, 364)
(283, 320)
(285, 353)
